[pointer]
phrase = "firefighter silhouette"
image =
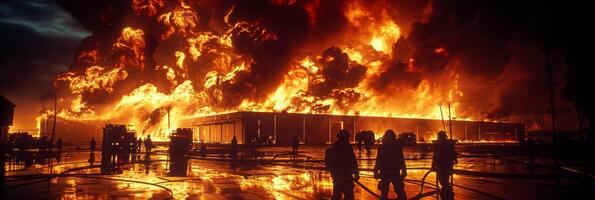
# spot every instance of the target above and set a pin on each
(234, 148)
(390, 166)
(59, 144)
(359, 138)
(445, 157)
(295, 144)
(92, 145)
(369, 141)
(203, 149)
(139, 143)
(91, 158)
(341, 162)
(148, 145)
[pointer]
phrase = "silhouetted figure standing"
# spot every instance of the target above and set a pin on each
(445, 157)
(295, 144)
(342, 164)
(148, 145)
(203, 149)
(390, 166)
(59, 144)
(360, 138)
(234, 153)
(139, 143)
(91, 158)
(92, 145)
(254, 146)
(234, 148)
(530, 146)
(369, 141)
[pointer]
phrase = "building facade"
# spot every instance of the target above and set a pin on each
(6, 118)
(321, 128)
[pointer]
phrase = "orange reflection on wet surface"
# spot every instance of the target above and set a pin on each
(216, 178)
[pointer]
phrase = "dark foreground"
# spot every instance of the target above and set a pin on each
(276, 176)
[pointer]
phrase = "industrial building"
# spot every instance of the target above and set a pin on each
(6, 118)
(321, 128)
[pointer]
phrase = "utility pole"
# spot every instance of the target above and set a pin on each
(551, 93)
(555, 138)
(449, 120)
(274, 127)
(442, 116)
(54, 124)
(168, 122)
(44, 130)
(51, 165)
(450, 133)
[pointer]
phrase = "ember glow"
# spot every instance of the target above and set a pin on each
(185, 59)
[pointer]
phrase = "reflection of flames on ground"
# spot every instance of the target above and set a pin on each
(168, 59)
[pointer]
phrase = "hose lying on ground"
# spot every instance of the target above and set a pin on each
(66, 174)
(418, 196)
(366, 188)
(462, 172)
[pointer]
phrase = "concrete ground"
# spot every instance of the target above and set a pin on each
(275, 176)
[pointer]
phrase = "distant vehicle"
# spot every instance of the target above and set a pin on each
(407, 138)
(180, 141)
(21, 141)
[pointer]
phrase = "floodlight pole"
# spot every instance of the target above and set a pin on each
(449, 120)
(442, 116)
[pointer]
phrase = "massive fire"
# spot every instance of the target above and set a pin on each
(169, 63)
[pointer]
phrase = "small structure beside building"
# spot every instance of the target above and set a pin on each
(6, 118)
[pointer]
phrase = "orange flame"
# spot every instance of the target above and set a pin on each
(156, 111)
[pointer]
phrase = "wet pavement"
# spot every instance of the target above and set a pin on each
(274, 176)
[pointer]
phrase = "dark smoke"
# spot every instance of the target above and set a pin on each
(495, 46)
(337, 73)
(290, 24)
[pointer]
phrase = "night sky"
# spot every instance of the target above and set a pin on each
(38, 41)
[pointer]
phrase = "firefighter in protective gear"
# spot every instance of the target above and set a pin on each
(341, 162)
(148, 145)
(445, 157)
(390, 166)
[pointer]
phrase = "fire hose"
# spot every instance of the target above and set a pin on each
(366, 188)
(421, 189)
(357, 182)
(452, 186)
(89, 176)
(419, 196)
(423, 181)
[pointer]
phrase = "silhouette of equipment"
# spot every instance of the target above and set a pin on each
(180, 142)
(118, 144)
(179, 147)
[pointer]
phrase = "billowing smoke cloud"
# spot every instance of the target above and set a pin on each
(288, 28)
(320, 56)
(495, 46)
